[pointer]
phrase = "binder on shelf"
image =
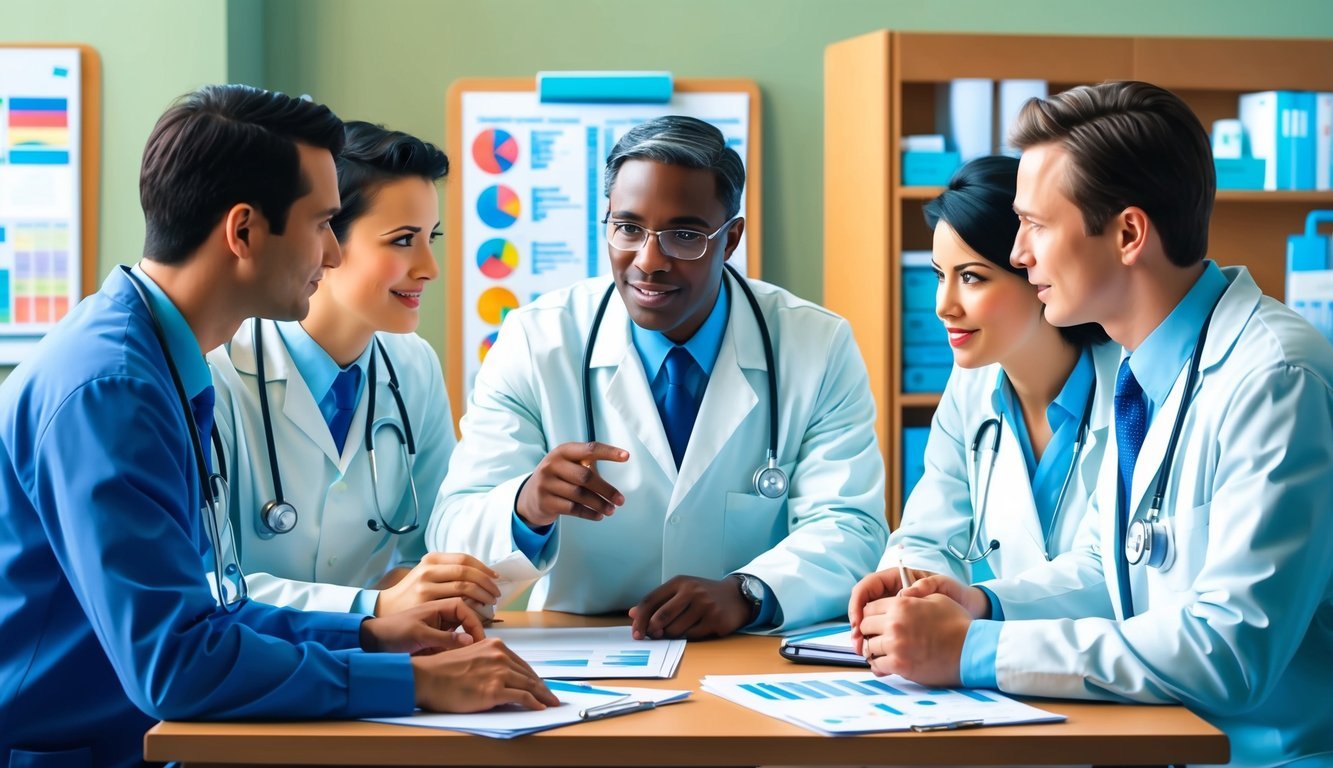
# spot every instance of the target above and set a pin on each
(1323, 141)
(965, 112)
(914, 457)
(926, 378)
(917, 355)
(919, 284)
(923, 328)
(1309, 286)
(1280, 129)
(1013, 95)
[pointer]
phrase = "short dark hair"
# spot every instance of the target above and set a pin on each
(219, 146)
(1131, 143)
(683, 141)
(373, 156)
(978, 205)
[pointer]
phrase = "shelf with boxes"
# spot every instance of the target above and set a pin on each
(886, 85)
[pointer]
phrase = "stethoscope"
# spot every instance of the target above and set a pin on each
(769, 480)
(994, 426)
(278, 515)
(1149, 538)
(214, 484)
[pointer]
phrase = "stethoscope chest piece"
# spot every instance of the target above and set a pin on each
(1149, 541)
(770, 481)
(278, 517)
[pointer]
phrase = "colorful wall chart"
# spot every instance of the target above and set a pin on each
(531, 196)
(40, 206)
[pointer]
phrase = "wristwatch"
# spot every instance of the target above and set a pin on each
(752, 592)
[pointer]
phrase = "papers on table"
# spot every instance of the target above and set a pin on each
(578, 703)
(592, 652)
(517, 573)
(829, 645)
(843, 703)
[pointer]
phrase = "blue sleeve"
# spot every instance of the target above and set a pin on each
(117, 450)
(530, 541)
(768, 610)
(976, 667)
(365, 601)
(996, 610)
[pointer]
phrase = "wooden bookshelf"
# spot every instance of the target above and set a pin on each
(881, 86)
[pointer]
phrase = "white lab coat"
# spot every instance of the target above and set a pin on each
(331, 554)
(705, 519)
(945, 502)
(1240, 626)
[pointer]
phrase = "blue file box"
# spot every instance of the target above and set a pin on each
(919, 284)
(926, 378)
(928, 169)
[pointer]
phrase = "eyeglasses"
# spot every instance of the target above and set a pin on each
(683, 244)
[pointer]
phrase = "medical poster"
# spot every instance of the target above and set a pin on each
(532, 196)
(40, 258)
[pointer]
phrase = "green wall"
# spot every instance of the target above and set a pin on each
(392, 60)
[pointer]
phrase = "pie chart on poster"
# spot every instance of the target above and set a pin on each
(486, 345)
(495, 303)
(497, 258)
(499, 206)
(494, 150)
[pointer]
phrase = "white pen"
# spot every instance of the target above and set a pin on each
(903, 576)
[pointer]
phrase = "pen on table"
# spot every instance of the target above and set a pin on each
(952, 726)
(903, 575)
(615, 708)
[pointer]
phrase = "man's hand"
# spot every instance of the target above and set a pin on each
(690, 607)
(426, 628)
(440, 576)
(566, 483)
(876, 586)
(920, 638)
(479, 677)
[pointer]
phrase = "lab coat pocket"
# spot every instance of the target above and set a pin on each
(64, 758)
(753, 524)
(1189, 544)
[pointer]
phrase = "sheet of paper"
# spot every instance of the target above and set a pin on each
(509, 722)
(840, 703)
(517, 573)
(592, 652)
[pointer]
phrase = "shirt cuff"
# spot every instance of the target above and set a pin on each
(380, 685)
(768, 610)
(365, 602)
(976, 667)
(996, 610)
(530, 541)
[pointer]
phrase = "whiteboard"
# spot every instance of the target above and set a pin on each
(41, 252)
(531, 198)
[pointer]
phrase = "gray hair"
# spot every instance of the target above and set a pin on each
(684, 141)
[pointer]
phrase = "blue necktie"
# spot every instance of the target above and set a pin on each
(679, 408)
(1131, 423)
(201, 406)
(343, 392)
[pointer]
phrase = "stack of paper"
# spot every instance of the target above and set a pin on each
(578, 704)
(592, 652)
(836, 703)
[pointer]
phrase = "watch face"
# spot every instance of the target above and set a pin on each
(750, 589)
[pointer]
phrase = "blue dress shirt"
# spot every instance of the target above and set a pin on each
(1157, 364)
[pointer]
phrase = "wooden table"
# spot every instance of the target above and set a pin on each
(703, 730)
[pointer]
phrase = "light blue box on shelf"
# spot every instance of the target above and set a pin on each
(927, 354)
(919, 284)
(914, 457)
(926, 378)
(1239, 172)
(928, 169)
(923, 328)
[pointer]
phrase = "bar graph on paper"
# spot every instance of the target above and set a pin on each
(40, 203)
(592, 652)
(842, 703)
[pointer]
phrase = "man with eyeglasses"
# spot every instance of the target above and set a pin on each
(655, 493)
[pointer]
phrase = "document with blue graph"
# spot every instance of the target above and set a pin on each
(842, 703)
(586, 653)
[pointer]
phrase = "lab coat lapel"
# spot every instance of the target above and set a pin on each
(727, 402)
(294, 400)
(1107, 498)
(1013, 507)
(1149, 462)
(626, 393)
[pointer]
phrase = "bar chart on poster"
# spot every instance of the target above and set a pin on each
(526, 209)
(41, 200)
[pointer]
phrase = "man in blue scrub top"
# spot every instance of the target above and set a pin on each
(107, 621)
(1223, 594)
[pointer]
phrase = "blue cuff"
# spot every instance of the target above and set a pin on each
(335, 631)
(976, 668)
(365, 602)
(996, 610)
(380, 685)
(530, 541)
(768, 610)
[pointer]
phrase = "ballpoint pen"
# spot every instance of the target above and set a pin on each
(904, 577)
(613, 708)
(950, 726)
